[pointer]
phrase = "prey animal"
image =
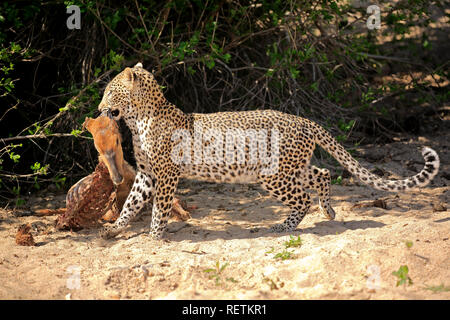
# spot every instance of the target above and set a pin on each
(101, 194)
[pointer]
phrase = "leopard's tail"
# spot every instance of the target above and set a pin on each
(431, 168)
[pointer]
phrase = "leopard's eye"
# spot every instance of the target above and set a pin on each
(115, 113)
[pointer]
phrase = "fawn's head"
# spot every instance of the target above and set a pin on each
(107, 141)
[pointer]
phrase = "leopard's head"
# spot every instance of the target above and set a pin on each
(132, 89)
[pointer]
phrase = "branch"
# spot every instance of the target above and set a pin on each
(41, 136)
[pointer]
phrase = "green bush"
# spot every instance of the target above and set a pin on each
(313, 58)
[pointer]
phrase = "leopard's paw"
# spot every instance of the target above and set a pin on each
(109, 232)
(328, 212)
(278, 228)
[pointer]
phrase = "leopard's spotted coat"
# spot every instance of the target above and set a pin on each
(135, 96)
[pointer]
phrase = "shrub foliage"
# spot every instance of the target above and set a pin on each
(314, 58)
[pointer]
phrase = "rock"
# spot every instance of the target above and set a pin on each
(24, 237)
(439, 206)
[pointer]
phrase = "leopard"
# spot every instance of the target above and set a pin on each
(162, 134)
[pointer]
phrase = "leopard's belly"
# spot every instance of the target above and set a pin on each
(221, 173)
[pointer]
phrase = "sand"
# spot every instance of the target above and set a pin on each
(226, 251)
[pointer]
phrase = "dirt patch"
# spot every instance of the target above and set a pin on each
(225, 250)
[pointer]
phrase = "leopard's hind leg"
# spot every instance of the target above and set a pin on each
(288, 190)
(319, 180)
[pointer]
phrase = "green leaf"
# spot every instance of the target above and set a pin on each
(226, 57)
(14, 157)
(191, 70)
(76, 132)
(293, 242)
(440, 288)
(402, 275)
(271, 250)
(210, 63)
(223, 267)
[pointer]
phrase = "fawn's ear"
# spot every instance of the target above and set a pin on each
(87, 124)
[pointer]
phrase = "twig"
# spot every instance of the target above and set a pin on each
(12, 108)
(143, 23)
(115, 34)
(41, 136)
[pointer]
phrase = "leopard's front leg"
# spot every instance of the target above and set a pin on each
(162, 204)
(140, 194)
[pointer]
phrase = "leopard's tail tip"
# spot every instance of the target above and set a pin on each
(421, 179)
(427, 151)
(431, 157)
(431, 163)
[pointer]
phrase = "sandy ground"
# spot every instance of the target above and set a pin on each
(352, 257)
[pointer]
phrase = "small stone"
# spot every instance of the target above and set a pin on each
(24, 237)
(439, 206)
(380, 203)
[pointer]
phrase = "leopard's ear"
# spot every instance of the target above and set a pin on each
(131, 81)
(129, 77)
(139, 65)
